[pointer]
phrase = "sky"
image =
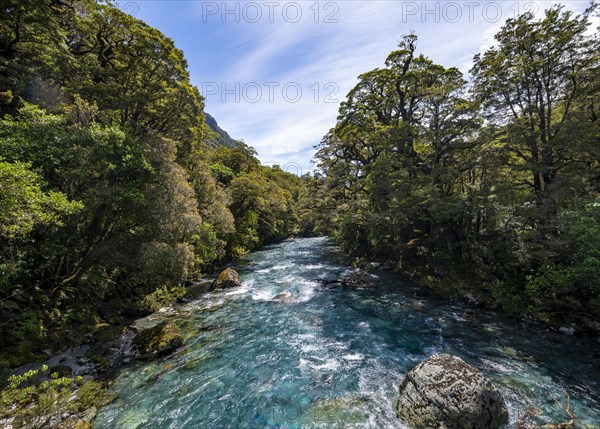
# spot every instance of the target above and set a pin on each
(274, 72)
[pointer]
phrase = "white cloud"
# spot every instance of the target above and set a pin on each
(307, 53)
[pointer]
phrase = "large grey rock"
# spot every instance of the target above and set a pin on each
(227, 279)
(443, 392)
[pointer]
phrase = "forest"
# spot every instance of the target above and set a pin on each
(115, 192)
(116, 195)
(481, 187)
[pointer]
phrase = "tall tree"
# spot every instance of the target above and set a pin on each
(530, 83)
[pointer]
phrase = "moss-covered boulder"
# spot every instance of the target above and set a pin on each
(157, 341)
(61, 370)
(227, 279)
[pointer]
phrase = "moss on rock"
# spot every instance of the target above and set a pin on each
(158, 341)
(227, 279)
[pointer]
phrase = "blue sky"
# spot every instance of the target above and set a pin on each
(273, 72)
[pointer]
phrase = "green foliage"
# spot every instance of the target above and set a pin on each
(101, 362)
(208, 248)
(487, 184)
(572, 285)
(32, 402)
(32, 50)
(315, 217)
(91, 393)
(263, 209)
(114, 188)
(222, 173)
(35, 397)
(23, 204)
(162, 297)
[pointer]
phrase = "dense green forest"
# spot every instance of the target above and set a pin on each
(115, 192)
(118, 191)
(486, 188)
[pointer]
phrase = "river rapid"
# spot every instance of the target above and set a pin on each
(282, 351)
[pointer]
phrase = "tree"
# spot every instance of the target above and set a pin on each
(396, 151)
(135, 74)
(492, 191)
(117, 195)
(530, 83)
(24, 205)
(33, 53)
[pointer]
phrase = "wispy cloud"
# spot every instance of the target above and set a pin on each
(311, 54)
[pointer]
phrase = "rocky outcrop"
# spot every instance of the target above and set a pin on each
(443, 392)
(357, 278)
(157, 341)
(227, 279)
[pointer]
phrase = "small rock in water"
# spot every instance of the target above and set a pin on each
(227, 279)
(443, 392)
(285, 296)
(472, 299)
(567, 330)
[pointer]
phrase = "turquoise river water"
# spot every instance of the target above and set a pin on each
(281, 351)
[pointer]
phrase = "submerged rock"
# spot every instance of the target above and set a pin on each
(285, 296)
(443, 392)
(358, 279)
(353, 411)
(157, 341)
(227, 279)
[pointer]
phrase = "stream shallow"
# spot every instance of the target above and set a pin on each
(283, 352)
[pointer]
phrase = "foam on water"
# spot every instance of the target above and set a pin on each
(354, 356)
(263, 294)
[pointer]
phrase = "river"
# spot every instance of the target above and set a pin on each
(318, 358)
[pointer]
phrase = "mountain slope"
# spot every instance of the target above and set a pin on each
(220, 136)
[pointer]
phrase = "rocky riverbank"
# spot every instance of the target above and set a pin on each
(477, 292)
(75, 382)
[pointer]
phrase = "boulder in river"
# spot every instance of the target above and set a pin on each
(357, 278)
(444, 392)
(227, 279)
(159, 340)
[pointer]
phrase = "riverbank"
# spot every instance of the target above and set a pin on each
(67, 388)
(471, 288)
